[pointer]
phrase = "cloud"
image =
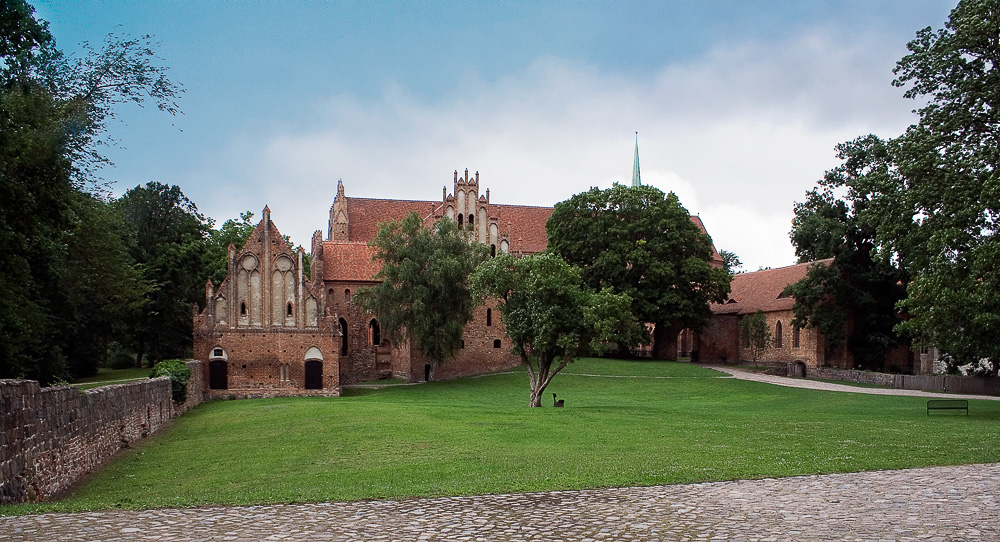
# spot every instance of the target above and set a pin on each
(739, 134)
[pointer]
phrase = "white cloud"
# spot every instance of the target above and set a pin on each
(738, 134)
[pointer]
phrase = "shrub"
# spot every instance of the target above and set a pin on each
(122, 360)
(179, 374)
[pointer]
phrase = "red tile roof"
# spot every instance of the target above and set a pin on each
(348, 261)
(762, 289)
(525, 226)
(365, 214)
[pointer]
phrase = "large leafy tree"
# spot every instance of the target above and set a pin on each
(945, 226)
(861, 284)
(167, 236)
(756, 335)
(642, 243)
(424, 291)
(549, 315)
(53, 114)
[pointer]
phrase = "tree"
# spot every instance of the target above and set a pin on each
(167, 236)
(424, 292)
(53, 114)
(549, 316)
(756, 335)
(944, 228)
(730, 262)
(642, 243)
(861, 284)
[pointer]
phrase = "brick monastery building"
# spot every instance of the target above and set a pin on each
(270, 330)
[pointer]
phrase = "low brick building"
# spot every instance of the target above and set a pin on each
(765, 291)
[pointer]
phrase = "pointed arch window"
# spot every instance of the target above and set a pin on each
(288, 309)
(374, 333)
(777, 335)
(459, 220)
(796, 337)
(343, 336)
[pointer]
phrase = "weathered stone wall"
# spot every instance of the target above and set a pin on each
(195, 388)
(954, 384)
(51, 437)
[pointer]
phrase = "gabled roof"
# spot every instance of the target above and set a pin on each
(701, 226)
(348, 262)
(762, 289)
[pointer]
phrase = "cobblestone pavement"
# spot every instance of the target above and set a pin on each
(933, 504)
(817, 385)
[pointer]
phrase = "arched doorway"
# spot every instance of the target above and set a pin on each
(374, 333)
(218, 375)
(314, 375)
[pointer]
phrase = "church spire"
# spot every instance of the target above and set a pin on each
(635, 166)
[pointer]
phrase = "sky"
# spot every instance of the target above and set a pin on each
(738, 105)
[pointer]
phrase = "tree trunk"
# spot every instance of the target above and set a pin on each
(536, 398)
(665, 341)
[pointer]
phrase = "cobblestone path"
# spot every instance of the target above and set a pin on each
(934, 504)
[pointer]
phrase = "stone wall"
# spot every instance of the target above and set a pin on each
(952, 384)
(52, 437)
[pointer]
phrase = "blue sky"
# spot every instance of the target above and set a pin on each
(738, 104)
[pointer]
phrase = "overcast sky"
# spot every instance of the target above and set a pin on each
(738, 104)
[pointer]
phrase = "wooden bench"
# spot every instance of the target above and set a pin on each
(947, 404)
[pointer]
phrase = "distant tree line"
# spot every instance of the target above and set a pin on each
(85, 278)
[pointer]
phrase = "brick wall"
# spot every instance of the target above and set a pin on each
(51, 437)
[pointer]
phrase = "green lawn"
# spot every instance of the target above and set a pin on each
(107, 377)
(644, 423)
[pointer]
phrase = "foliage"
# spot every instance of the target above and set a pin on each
(642, 243)
(548, 316)
(167, 237)
(730, 262)
(424, 291)
(861, 283)
(921, 210)
(179, 373)
(660, 424)
(756, 335)
(949, 163)
(64, 279)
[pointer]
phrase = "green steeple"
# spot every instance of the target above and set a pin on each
(635, 166)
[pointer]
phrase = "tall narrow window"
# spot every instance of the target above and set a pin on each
(459, 220)
(470, 220)
(489, 317)
(374, 333)
(243, 308)
(777, 335)
(493, 251)
(288, 310)
(343, 337)
(347, 295)
(795, 336)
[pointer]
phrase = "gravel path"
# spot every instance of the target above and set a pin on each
(934, 504)
(816, 385)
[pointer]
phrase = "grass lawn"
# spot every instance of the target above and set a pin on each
(107, 377)
(641, 423)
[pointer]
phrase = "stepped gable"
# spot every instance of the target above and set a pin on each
(525, 226)
(350, 261)
(762, 289)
